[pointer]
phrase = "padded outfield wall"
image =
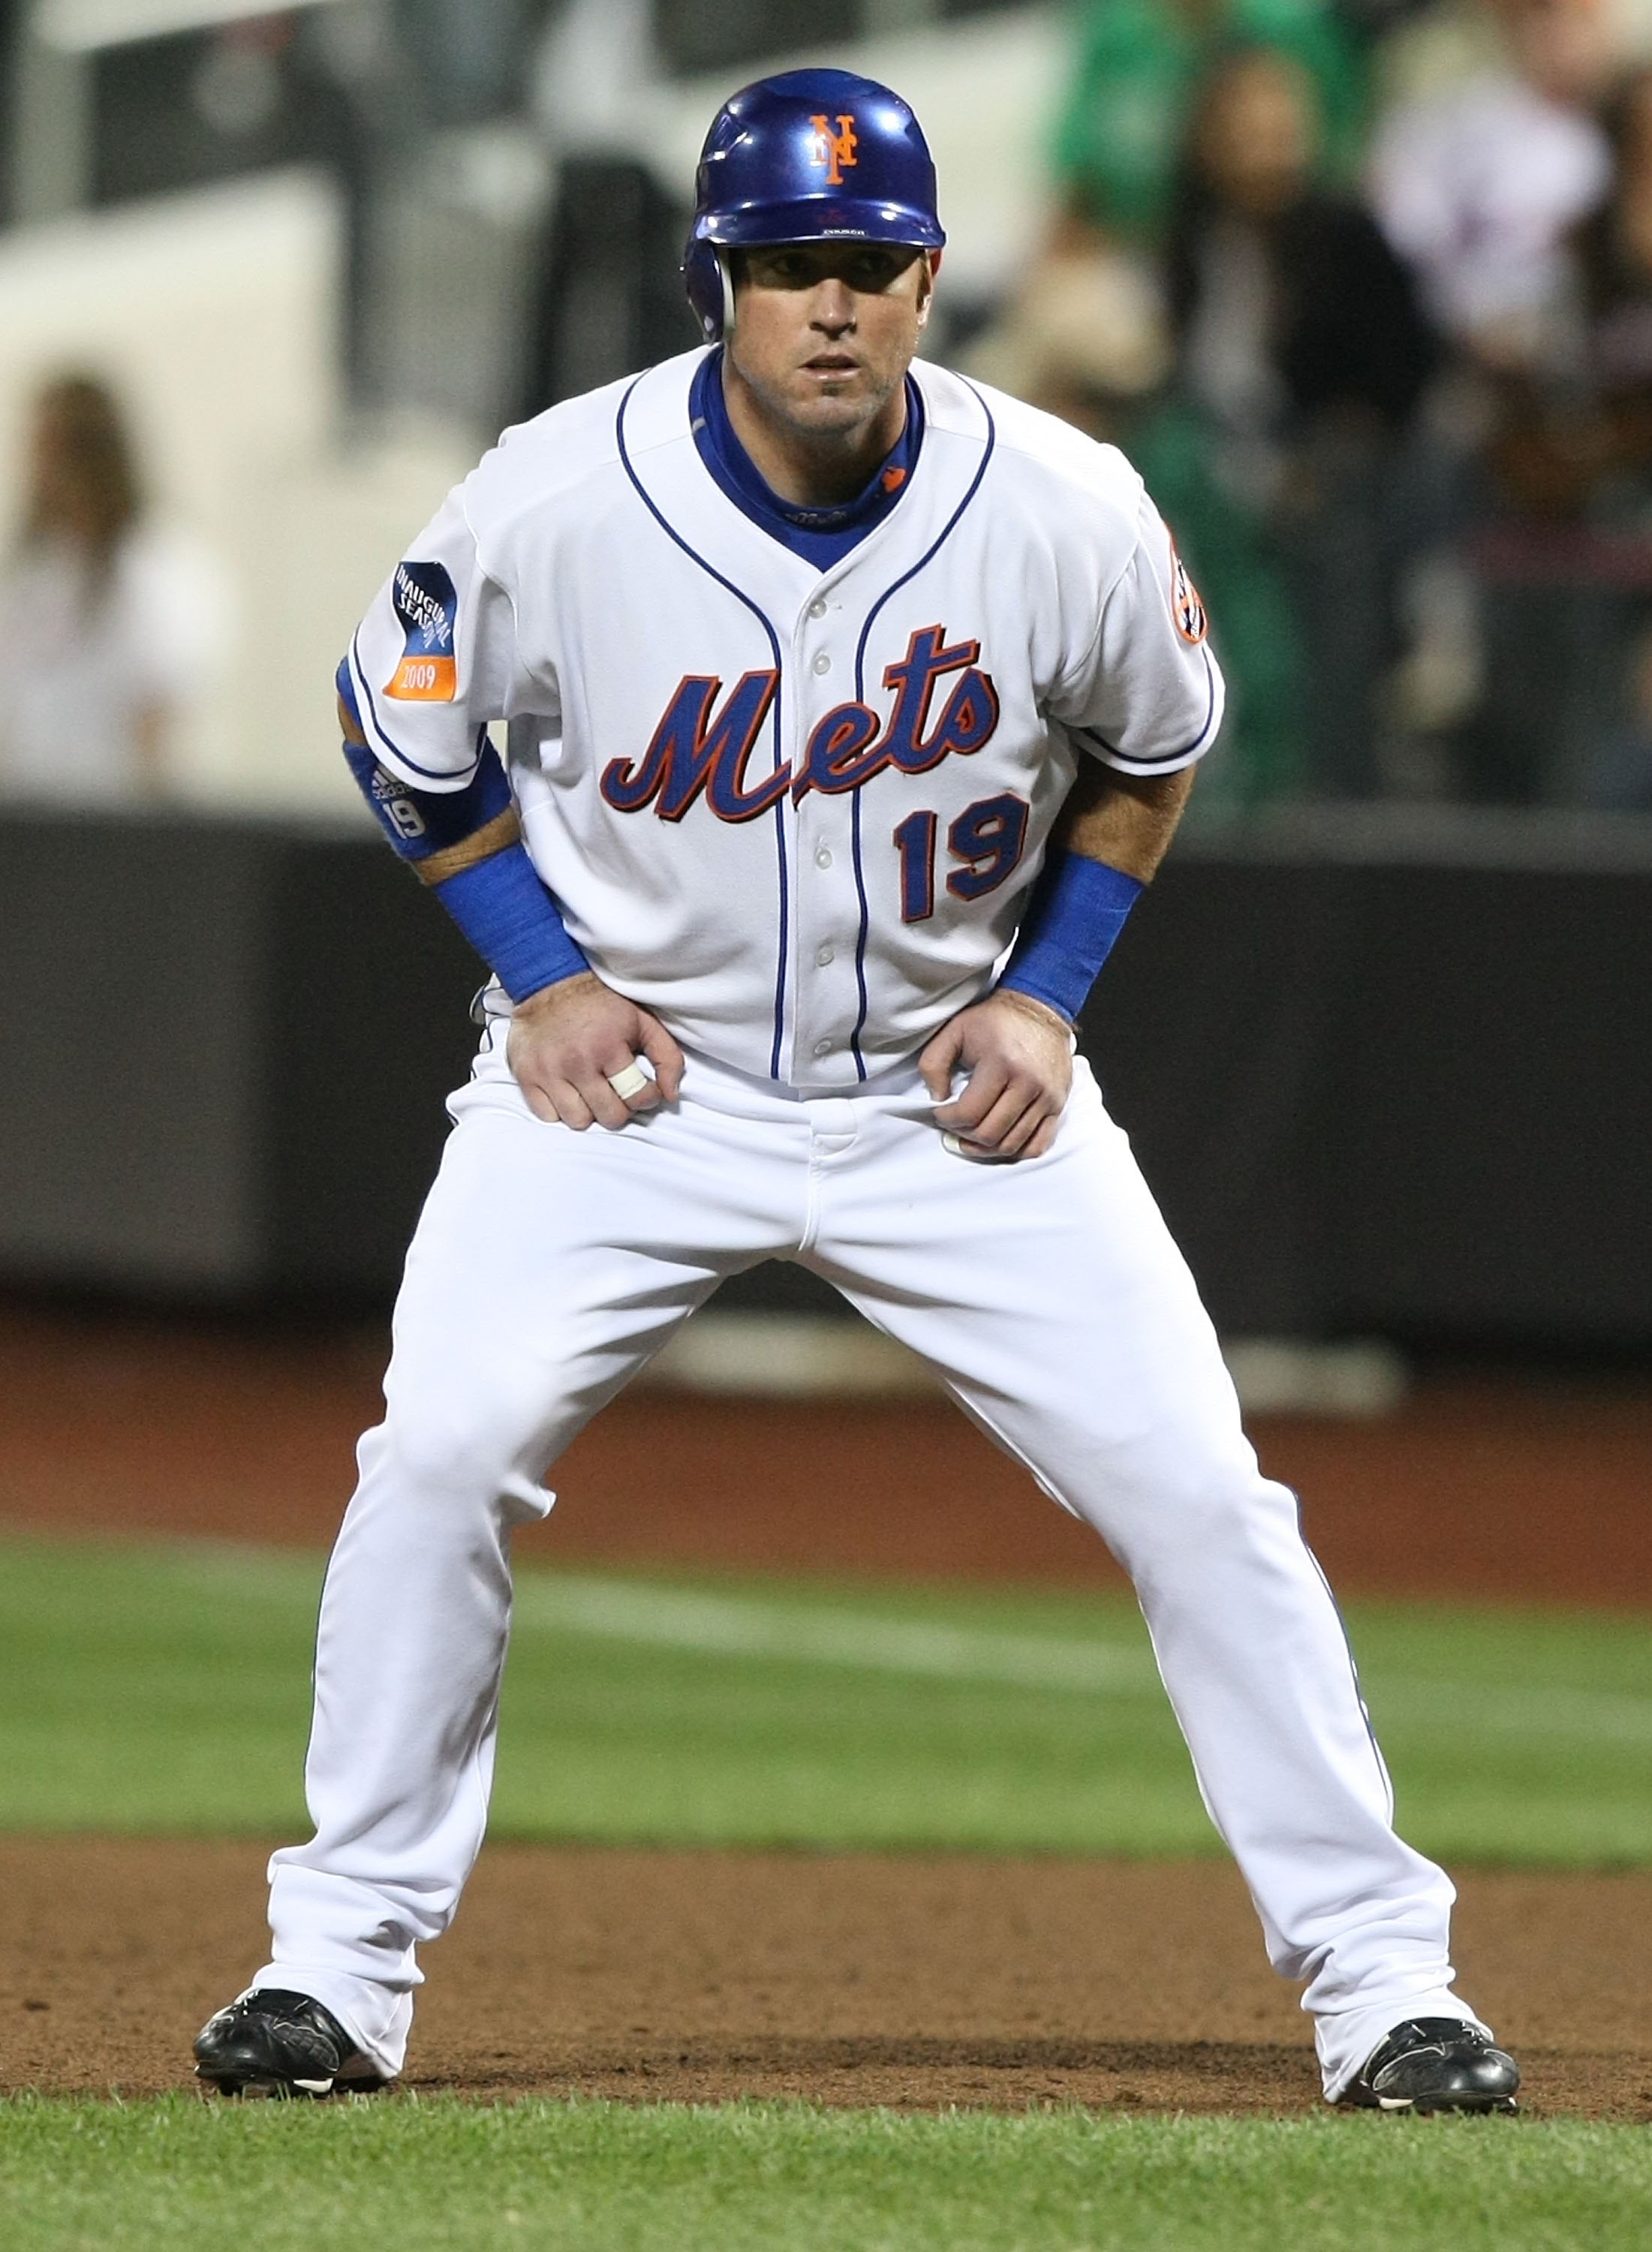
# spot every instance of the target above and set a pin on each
(1389, 1072)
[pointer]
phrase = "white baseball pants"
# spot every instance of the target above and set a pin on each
(546, 1269)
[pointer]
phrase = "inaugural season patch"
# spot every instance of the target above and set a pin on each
(429, 609)
(1185, 607)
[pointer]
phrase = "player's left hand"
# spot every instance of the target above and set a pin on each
(1018, 1055)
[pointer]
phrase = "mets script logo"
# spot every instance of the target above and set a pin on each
(426, 609)
(1186, 608)
(834, 150)
(702, 747)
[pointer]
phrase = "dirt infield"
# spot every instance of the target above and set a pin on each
(916, 1982)
(851, 1979)
(1535, 1493)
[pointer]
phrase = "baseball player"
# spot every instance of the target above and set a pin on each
(847, 707)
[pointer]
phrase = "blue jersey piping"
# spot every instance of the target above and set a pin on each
(761, 616)
(393, 750)
(929, 555)
(1161, 758)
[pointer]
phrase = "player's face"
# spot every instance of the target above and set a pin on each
(824, 331)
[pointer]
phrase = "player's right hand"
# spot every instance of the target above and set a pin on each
(569, 1041)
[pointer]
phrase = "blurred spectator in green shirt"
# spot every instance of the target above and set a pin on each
(1139, 67)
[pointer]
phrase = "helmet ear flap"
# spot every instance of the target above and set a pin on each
(710, 288)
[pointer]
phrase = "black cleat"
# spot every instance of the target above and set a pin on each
(270, 2042)
(1436, 2064)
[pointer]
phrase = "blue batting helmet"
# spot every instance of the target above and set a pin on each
(810, 154)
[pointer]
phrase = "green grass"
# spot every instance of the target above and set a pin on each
(149, 1688)
(445, 2177)
(154, 1688)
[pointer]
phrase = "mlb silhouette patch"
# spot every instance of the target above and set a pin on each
(1185, 606)
(429, 609)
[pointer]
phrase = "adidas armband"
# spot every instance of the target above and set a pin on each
(466, 844)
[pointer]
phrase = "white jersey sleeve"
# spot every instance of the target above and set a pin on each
(435, 658)
(1147, 695)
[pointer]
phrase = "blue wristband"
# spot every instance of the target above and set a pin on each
(1078, 910)
(511, 920)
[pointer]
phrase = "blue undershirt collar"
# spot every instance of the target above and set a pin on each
(821, 535)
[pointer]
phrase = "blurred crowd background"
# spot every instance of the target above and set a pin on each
(1364, 286)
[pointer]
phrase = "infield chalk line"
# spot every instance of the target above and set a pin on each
(743, 1626)
(620, 1610)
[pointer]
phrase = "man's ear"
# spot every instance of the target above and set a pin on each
(927, 286)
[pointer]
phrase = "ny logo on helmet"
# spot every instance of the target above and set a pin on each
(834, 150)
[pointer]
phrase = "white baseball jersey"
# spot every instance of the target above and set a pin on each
(796, 813)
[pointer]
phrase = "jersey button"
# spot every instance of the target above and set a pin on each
(822, 663)
(817, 608)
(823, 955)
(822, 857)
(822, 1047)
